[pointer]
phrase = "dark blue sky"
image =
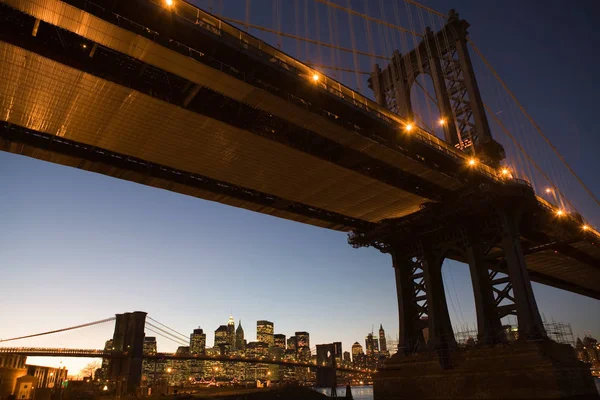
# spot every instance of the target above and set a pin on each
(76, 246)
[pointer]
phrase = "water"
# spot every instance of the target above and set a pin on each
(366, 392)
(358, 392)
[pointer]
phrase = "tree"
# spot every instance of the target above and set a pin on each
(90, 369)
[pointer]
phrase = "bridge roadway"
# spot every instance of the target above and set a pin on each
(179, 100)
(93, 353)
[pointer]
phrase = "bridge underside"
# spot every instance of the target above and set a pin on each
(109, 101)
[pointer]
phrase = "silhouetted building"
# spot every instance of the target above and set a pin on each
(382, 341)
(198, 342)
(292, 344)
(264, 332)
(240, 343)
(279, 340)
(108, 346)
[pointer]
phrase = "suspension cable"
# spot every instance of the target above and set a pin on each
(368, 17)
(171, 329)
(302, 38)
(535, 125)
(431, 10)
(61, 330)
(540, 170)
(149, 325)
(165, 337)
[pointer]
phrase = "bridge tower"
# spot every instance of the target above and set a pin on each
(326, 367)
(444, 56)
(128, 339)
(483, 229)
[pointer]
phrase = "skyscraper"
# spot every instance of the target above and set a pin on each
(148, 367)
(337, 352)
(149, 346)
(264, 332)
(240, 344)
(371, 345)
(231, 332)
(303, 345)
(221, 339)
(279, 340)
(347, 358)
(292, 344)
(198, 342)
(382, 341)
(356, 350)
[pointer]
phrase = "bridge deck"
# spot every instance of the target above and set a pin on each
(140, 110)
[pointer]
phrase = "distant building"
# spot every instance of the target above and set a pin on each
(356, 350)
(108, 346)
(221, 339)
(264, 332)
(347, 358)
(337, 352)
(279, 340)
(148, 367)
(197, 347)
(198, 342)
(292, 344)
(382, 341)
(149, 346)
(231, 332)
(20, 379)
(303, 345)
(371, 345)
(257, 350)
(240, 343)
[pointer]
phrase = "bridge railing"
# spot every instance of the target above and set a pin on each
(259, 48)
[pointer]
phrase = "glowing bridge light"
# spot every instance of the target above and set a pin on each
(548, 190)
(472, 162)
(169, 3)
(585, 227)
(442, 121)
(408, 127)
(560, 213)
(505, 171)
(316, 77)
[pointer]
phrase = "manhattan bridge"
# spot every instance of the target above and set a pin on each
(381, 119)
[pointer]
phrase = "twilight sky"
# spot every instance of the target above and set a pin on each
(77, 247)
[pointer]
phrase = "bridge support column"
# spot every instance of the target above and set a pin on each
(441, 335)
(528, 314)
(422, 303)
(489, 327)
(128, 339)
(409, 283)
(482, 229)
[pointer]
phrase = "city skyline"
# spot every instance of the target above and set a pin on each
(77, 247)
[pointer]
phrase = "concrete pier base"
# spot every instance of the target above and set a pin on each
(542, 370)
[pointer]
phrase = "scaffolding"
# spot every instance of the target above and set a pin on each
(558, 331)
